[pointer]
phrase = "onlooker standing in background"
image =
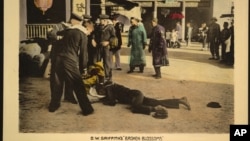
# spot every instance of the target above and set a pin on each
(178, 28)
(214, 39)
(203, 35)
(89, 25)
(225, 42)
(168, 38)
(116, 51)
(137, 39)
(158, 47)
(189, 34)
(103, 36)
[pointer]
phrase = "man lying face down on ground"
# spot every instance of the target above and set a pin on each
(115, 93)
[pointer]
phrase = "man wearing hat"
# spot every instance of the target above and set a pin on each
(158, 48)
(71, 61)
(102, 38)
(213, 37)
(116, 51)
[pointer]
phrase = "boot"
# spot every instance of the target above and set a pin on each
(154, 75)
(131, 69)
(158, 73)
(141, 68)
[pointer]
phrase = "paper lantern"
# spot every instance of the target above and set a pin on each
(43, 5)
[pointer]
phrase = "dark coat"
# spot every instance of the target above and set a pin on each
(213, 32)
(158, 46)
(74, 46)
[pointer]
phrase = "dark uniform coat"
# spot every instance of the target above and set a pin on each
(158, 46)
(73, 56)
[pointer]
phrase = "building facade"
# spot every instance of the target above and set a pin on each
(35, 19)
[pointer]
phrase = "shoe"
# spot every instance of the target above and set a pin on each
(217, 58)
(118, 68)
(88, 112)
(185, 102)
(157, 77)
(53, 107)
(154, 75)
(130, 71)
(211, 58)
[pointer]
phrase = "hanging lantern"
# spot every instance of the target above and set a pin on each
(43, 5)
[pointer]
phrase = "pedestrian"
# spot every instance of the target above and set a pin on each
(230, 54)
(174, 40)
(115, 93)
(158, 48)
(189, 34)
(92, 49)
(71, 63)
(116, 51)
(56, 46)
(178, 29)
(214, 39)
(103, 36)
(225, 41)
(137, 39)
(168, 38)
(203, 35)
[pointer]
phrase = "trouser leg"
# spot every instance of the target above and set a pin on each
(216, 51)
(117, 59)
(68, 92)
(56, 84)
(223, 51)
(73, 76)
(212, 44)
(137, 103)
(168, 103)
(107, 63)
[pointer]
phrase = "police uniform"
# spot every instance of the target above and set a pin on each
(72, 57)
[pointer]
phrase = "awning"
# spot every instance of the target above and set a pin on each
(227, 16)
(127, 4)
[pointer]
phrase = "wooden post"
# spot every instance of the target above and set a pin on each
(155, 9)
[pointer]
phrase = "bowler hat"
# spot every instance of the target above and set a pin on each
(103, 16)
(87, 16)
(214, 105)
(76, 17)
(214, 19)
(160, 113)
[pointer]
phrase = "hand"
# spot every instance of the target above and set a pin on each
(93, 43)
(105, 43)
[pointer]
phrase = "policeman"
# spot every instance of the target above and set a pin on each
(72, 57)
